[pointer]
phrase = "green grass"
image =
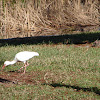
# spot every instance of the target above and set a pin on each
(70, 73)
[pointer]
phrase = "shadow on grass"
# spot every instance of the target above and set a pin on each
(4, 80)
(13, 71)
(65, 39)
(91, 89)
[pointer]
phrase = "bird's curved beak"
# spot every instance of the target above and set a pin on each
(3, 66)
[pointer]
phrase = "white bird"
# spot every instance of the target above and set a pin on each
(22, 57)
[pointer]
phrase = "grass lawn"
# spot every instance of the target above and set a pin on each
(61, 72)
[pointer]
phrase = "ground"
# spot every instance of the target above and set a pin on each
(16, 77)
(19, 78)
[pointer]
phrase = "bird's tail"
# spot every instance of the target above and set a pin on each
(36, 54)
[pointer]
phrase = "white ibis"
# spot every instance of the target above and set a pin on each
(22, 57)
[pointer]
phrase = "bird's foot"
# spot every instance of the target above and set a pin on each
(23, 73)
(19, 70)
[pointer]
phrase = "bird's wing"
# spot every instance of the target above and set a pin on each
(24, 56)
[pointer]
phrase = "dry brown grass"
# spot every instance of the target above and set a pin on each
(46, 17)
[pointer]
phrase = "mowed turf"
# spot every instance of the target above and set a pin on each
(61, 72)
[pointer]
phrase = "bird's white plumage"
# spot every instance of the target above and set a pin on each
(23, 57)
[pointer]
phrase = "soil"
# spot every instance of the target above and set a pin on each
(15, 77)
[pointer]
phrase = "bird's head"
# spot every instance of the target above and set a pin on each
(6, 63)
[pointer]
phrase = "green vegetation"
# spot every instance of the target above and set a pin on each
(61, 72)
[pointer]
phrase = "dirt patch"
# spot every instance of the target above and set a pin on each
(19, 78)
(87, 45)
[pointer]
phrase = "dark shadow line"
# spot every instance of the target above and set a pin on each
(4, 80)
(13, 71)
(91, 89)
(65, 39)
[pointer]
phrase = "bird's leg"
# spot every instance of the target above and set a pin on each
(26, 64)
(21, 68)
